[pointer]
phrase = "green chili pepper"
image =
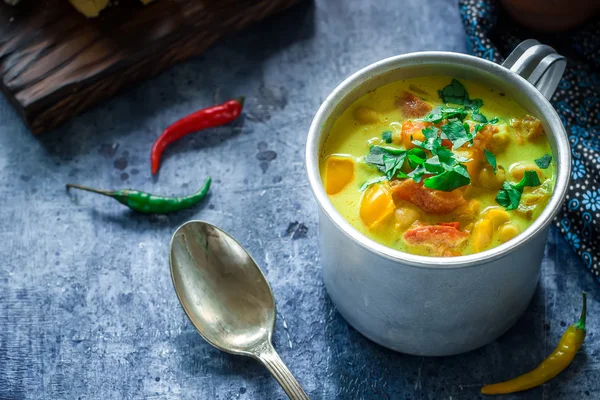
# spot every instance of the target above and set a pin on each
(148, 203)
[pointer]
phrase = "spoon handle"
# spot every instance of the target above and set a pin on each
(267, 355)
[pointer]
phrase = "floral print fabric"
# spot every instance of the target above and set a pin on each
(492, 35)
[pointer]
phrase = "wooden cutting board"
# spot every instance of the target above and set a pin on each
(55, 63)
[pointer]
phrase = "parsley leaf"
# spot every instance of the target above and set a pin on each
(432, 139)
(544, 161)
(387, 136)
(456, 133)
(372, 182)
(449, 180)
(387, 160)
(478, 117)
(475, 104)
(448, 173)
(442, 112)
(416, 157)
(435, 166)
(530, 179)
(510, 195)
(417, 173)
(493, 120)
(491, 158)
(456, 93)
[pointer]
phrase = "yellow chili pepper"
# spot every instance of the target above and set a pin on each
(560, 359)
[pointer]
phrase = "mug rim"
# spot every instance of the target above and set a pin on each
(563, 159)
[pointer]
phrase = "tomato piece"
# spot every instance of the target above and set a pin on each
(412, 106)
(439, 239)
(447, 143)
(338, 173)
(413, 129)
(455, 225)
(429, 200)
(484, 137)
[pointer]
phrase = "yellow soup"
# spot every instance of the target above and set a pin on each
(438, 167)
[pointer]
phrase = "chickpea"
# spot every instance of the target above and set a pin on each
(406, 216)
(366, 115)
(499, 142)
(497, 215)
(517, 170)
(507, 232)
(527, 127)
(489, 180)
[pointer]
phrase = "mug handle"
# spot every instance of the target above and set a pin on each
(541, 65)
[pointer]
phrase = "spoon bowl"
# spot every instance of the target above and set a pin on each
(226, 297)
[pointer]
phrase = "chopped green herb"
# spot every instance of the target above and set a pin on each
(456, 133)
(448, 173)
(544, 161)
(491, 158)
(469, 134)
(449, 180)
(478, 117)
(401, 175)
(388, 160)
(432, 139)
(435, 166)
(440, 113)
(416, 157)
(387, 136)
(456, 93)
(417, 173)
(493, 120)
(510, 195)
(372, 182)
(475, 104)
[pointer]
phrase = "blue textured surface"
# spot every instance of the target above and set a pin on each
(87, 309)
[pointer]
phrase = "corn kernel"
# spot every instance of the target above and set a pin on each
(482, 234)
(497, 215)
(507, 232)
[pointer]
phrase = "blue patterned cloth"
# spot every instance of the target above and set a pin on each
(492, 35)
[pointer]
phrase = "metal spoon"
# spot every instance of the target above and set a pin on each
(227, 298)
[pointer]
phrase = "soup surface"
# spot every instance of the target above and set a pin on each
(436, 166)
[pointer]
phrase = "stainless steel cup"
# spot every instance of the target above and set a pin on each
(429, 305)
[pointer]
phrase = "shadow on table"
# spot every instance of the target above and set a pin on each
(227, 70)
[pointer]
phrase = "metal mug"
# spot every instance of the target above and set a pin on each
(435, 306)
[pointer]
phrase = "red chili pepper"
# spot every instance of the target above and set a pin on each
(201, 119)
